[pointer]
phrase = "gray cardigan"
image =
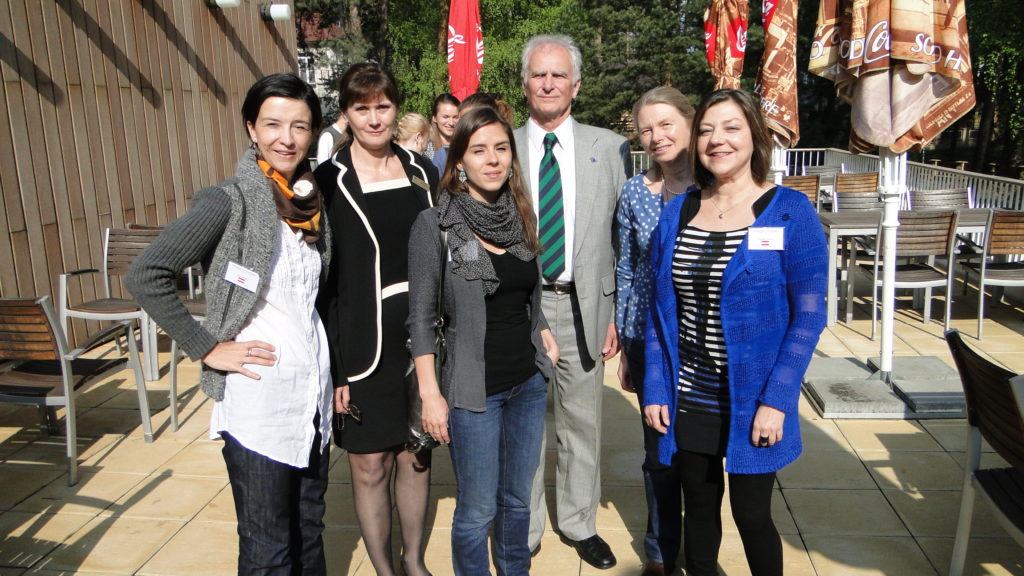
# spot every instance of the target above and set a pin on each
(462, 377)
(234, 221)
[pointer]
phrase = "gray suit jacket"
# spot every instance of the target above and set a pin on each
(602, 167)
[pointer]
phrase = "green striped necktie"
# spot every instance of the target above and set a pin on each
(551, 223)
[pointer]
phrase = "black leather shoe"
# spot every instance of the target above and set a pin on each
(594, 551)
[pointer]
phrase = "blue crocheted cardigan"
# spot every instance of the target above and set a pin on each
(773, 311)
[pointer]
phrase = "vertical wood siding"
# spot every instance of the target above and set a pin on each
(115, 112)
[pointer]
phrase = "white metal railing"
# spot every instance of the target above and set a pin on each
(989, 191)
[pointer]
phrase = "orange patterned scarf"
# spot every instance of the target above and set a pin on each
(299, 204)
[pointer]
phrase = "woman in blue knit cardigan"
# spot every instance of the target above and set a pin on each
(738, 306)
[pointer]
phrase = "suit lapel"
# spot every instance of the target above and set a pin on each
(585, 184)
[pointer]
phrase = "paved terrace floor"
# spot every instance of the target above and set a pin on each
(866, 497)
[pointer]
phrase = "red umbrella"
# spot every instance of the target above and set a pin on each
(725, 37)
(776, 79)
(904, 65)
(465, 47)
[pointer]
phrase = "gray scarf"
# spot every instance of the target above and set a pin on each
(465, 218)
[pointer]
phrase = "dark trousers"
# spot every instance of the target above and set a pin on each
(661, 482)
(280, 511)
(750, 496)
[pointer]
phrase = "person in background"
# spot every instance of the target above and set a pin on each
(662, 116)
(491, 400)
(738, 306)
(443, 118)
(265, 249)
(330, 139)
(575, 173)
(373, 191)
(413, 132)
(488, 99)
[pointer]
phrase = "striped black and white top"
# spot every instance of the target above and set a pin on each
(698, 261)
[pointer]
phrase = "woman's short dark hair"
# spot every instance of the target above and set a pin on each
(760, 160)
(365, 82)
(283, 85)
(445, 98)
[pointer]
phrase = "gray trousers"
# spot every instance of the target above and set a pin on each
(576, 395)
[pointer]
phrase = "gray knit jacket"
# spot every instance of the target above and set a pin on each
(234, 221)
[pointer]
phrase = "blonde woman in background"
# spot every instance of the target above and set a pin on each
(413, 132)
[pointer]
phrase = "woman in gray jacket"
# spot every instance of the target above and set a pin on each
(492, 395)
(265, 251)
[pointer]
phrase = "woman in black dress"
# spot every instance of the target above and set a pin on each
(373, 191)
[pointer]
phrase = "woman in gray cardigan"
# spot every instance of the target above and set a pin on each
(265, 251)
(493, 391)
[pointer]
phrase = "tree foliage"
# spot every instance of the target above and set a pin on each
(629, 47)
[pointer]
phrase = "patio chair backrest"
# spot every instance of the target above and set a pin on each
(991, 405)
(808, 184)
(864, 182)
(120, 247)
(825, 169)
(944, 199)
(931, 233)
(1005, 233)
(27, 330)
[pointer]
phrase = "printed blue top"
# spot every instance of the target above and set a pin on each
(636, 217)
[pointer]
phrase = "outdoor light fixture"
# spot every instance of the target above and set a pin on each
(272, 11)
(223, 3)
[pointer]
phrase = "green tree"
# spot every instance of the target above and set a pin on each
(996, 29)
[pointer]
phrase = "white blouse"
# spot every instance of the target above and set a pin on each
(273, 416)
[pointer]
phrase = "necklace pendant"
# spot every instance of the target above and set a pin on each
(721, 215)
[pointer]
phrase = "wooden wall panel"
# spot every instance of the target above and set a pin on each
(116, 111)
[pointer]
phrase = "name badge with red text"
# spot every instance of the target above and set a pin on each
(241, 276)
(765, 238)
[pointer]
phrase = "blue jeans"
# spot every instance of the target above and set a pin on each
(661, 482)
(495, 454)
(280, 511)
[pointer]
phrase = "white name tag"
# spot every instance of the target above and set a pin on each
(765, 238)
(241, 276)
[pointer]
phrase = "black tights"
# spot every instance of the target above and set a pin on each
(750, 496)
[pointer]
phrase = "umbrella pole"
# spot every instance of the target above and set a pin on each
(893, 179)
(780, 162)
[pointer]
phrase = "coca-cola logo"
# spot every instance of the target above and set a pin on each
(768, 11)
(874, 47)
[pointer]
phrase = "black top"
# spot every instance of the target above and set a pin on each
(508, 351)
(349, 298)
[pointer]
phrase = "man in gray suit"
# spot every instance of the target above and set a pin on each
(575, 175)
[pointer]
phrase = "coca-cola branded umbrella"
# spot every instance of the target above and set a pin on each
(905, 67)
(465, 47)
(776, 79)
(725, 38)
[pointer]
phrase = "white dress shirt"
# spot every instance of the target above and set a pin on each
(565, 154)
(273, 416)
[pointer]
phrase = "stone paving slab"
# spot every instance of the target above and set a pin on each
(864, 398)
(929, 386)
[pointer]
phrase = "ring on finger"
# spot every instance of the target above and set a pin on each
(248, 352)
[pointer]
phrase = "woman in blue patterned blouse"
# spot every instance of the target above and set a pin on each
(738, 305)
(663, 116)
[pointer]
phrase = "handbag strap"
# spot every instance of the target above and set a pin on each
(440, 284)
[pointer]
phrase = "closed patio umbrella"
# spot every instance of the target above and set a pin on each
(905, 67)
(725, 38)
(776, 79)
